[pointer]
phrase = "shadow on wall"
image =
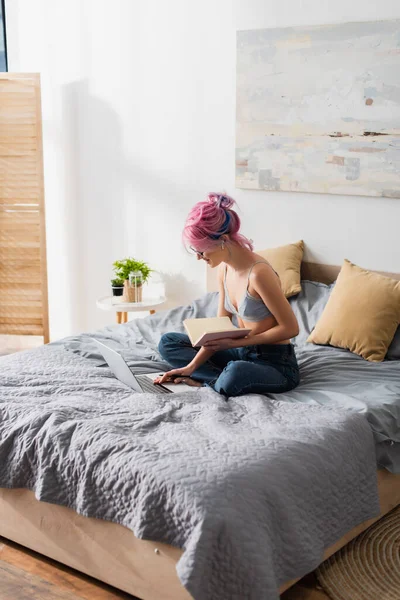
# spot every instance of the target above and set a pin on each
(94, 200)
(101, 187)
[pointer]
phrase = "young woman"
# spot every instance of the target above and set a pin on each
(262, 362)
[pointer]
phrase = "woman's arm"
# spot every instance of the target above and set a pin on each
(205, 353)
(201, 357)
(267, 285)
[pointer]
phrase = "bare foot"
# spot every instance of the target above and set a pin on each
(188, 381)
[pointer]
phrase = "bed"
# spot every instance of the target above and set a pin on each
(111, 553)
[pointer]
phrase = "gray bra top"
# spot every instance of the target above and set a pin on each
(250, 308)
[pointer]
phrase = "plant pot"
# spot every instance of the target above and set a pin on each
(117, 290)
(131, 293)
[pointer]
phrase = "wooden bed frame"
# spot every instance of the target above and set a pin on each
(110, 552)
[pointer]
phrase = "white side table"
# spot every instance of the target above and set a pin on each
(121, 309)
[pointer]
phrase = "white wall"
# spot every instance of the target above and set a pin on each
(139, 123)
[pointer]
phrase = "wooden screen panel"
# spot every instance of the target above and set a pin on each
(23, 271)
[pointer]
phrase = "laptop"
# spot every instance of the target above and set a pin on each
(139, 383)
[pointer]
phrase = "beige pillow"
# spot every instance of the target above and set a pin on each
(362, 313)
(286, 260)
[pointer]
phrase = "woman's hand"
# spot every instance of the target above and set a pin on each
(222, 344)
(175, 375)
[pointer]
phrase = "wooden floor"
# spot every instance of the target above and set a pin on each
(25, 575)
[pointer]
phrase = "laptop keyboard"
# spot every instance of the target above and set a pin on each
(148, 386)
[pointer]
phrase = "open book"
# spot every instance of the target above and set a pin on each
(201, 331)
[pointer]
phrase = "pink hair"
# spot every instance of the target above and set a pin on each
(210, 219)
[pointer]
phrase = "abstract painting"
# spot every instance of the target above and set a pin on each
(318, 109)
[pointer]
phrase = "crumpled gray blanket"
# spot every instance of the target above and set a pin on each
(252, 489)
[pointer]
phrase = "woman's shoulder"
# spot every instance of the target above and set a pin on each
(262, 269)
(261, 265)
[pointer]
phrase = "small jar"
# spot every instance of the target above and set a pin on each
(133, 287)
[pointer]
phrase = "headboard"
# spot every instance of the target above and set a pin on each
(309, 270)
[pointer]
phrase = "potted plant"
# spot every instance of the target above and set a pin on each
(139, 272)
(117, 286)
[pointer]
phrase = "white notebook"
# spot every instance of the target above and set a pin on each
(201, 331)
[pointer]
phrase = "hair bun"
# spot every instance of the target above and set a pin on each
(221, 200)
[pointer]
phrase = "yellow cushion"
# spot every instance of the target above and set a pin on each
(286, 260)
(362, 313)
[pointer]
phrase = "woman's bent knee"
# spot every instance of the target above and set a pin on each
(170, 341)
(238, 379)
(231, 380)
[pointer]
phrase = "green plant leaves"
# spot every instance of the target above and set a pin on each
(123, 267)
(117, 282)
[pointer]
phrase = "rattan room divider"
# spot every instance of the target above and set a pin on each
(23, 270)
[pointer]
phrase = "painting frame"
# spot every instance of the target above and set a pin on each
(318, 109)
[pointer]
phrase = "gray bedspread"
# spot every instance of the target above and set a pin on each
(335, 377)
(252, 489)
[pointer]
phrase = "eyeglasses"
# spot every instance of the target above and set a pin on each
(197, 252)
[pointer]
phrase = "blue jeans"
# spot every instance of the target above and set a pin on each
(260, 369)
